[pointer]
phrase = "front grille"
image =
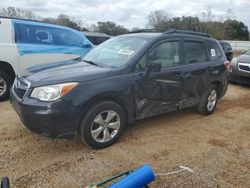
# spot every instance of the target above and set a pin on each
(20, 87)
(244, 67)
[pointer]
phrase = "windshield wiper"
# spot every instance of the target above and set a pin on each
(91, 62)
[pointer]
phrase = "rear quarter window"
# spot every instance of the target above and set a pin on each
(213, 51)
(195, 52)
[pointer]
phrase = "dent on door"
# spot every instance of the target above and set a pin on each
(155, 96)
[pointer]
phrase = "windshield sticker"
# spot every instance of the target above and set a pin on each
(213, 53)
(126, 52)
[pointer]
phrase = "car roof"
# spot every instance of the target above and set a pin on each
(165, 34)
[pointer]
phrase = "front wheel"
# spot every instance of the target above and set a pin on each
(5, 183)
(103, 124)
(208, 101)
(5, 84)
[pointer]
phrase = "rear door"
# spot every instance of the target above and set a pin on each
(194, 71)
(216, 58)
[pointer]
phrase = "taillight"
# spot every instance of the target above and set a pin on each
(228, 66)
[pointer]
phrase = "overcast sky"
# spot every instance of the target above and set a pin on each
(130, 13)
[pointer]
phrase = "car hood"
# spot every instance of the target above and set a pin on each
(244, 59)
(70, 71)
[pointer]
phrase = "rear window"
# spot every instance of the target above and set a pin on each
(226, 46)
(96, 40)
(195, 52)
(34, 34)
(213, 51)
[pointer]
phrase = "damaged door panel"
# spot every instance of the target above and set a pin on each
(159, 91)
(155, 95)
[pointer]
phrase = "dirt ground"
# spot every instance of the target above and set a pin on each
(216, 147)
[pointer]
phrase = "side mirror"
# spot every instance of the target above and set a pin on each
(154, 66)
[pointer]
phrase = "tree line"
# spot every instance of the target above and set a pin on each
(222, 27)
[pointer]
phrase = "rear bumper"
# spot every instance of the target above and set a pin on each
(53, 120)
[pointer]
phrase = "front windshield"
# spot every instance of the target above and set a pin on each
(117, 51)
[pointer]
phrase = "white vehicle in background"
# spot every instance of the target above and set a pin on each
(30, 46)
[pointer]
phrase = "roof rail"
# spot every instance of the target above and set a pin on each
(143, 31)
(172, 31)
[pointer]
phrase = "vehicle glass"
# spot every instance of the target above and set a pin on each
(168, 53)
(226, 46)
(142, 64)
(92, 39)
(213, 51)
(194, 52)
(96, 40)
(34, 34)
(117, 51)
(100, 40)
(247, 52)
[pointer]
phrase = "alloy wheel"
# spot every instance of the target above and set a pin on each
(105, 126)
(212, 99)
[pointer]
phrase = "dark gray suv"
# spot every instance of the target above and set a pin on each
(124, 79)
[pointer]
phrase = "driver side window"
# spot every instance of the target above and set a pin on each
(167, 53)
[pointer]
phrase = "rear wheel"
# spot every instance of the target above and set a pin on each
(208, 101)
(103, 124)
(5, 84)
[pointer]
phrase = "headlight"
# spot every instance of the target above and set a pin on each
(52, 92)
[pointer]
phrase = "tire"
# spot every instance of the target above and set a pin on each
(103, 124)
(5, 183)
(5, 84)
(207, 103)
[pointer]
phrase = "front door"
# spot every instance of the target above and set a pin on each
(159, 92)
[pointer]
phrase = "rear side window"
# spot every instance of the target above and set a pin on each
(195, 52)
(34, 34)
(97, 40)
(226, 46)
(213, 51)
(100, 40)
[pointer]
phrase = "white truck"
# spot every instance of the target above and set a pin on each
(27, 46)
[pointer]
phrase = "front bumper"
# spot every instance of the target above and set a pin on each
(54, 120)
(239, 76)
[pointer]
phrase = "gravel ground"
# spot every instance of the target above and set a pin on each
(216, 147)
